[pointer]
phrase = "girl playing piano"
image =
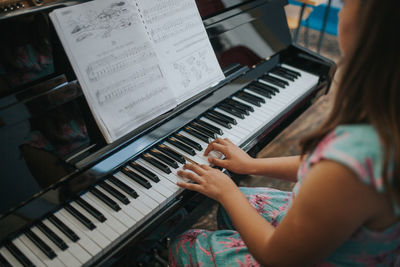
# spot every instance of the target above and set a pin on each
(345, 207)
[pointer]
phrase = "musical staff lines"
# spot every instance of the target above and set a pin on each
(129, 86)
(115, 63)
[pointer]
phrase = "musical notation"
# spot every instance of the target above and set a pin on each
(119, 61)
(139, 79)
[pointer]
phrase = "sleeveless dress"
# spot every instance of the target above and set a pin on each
(355, 146)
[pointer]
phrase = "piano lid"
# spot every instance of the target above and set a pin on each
(45, 124)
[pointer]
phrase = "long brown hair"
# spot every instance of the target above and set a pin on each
(369, 89)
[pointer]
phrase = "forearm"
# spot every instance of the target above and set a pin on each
(282, 167)
(253, 228)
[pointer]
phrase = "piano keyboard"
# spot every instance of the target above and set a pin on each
(85, 228)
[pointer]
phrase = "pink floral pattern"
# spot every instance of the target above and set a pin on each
(363, 248)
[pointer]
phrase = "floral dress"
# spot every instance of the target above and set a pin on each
(355, 146)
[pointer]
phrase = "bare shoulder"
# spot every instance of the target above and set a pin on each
(331, 205)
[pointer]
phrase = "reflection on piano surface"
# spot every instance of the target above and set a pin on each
(69, 199)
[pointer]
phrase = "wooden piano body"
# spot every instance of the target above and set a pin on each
(54, 159)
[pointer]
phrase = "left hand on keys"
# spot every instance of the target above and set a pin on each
(210, 182)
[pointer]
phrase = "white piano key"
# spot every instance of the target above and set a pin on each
(167, 180)
(154, 194)
(119, 215)
(246, 123)
(84, 240)
(227, 132)
(110, 214)
(194, 158)
(39, 254)
(157, 186)
(102, 227)
(9, 257)
(142, 195)
(172, 177)
(74, 248)
(27, 252)
(64, 256)
(129, 210)
(94, 234)
(136, 202)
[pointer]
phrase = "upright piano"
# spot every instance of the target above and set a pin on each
(67, 198)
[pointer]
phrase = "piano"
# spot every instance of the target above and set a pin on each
(67, 198)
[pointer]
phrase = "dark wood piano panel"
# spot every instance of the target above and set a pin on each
(52, 150)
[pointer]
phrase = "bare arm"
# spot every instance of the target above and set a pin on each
(331, 205)
(238, 161)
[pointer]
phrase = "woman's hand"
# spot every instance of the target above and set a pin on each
(236, 160)
(210, 182)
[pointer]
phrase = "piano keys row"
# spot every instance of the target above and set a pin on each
(83, 228)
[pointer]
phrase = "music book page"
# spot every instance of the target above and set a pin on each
(127, 60)
(176, 29)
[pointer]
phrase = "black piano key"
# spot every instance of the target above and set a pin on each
(4, 262)
(52, 236)
(152, 176)
(274, 81)
(236, 107)
(296, 73)
(136, 177)
(277, 79)
(91, 210)
(249, 99)
(80, 217)
(283, 74)
(210, 127)
(106, 200)
(181, 146)
(231, 110)
(18, 255)
(188, 142)
(172, 163)
(63, 228)
(197, 134)
(203, 130)
(257, 90)
(41, 244)
(115, 193)
(218, 120)
(157, 164)
(124, 187)
(259, 99)
(179, 158)
(239, 105)
(271, 89)
(223, 117)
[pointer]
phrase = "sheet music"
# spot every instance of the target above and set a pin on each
(177, 32)
(115, 63)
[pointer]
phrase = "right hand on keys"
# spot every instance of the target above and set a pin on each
(236, 160)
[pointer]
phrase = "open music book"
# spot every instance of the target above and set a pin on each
(136, 59)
